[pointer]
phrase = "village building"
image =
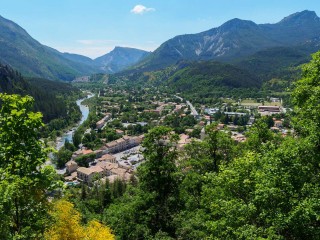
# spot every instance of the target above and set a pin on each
(87, 175)
(108, 158)
(184, 140)
(235, 113)
(101, 122)
(275, 129)
(123, 143)
(278, 123)
(189, 130)
(238, 137)
(112, 178)
(207, 118)
(178, 108)
(220, 126)
(72, 177)
(107, 167)
(142, 124)
(81, 152)
(268, 110)
(119, 132)
(211, 111)
(232, 127)
(251, 120)
(113, 169)
(71, 166)
(202, 134)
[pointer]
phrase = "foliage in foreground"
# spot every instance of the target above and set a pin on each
(67, 225)
(25, 181)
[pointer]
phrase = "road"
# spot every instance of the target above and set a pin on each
(179, 97)
(193, 110)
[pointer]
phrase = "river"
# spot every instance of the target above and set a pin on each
(68, 135)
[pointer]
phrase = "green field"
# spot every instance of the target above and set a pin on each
(254, 103)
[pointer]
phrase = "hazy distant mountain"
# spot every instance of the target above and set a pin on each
(79, 59)
(235, 39)
(120, 58)
(19, 50)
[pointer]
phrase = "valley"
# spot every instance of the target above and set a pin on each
(67, 136)
(212, 135)
(122, 113)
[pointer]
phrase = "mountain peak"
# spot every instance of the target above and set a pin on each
(237, 23)
(119, 47)
(301, 17)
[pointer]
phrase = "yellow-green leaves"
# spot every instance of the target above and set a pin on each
(67, 225)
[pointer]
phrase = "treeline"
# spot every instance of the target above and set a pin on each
(52, 98)
(30, 191)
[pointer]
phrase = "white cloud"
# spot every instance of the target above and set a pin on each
(140, 9)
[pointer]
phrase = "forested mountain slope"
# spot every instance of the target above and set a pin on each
(48, 94)
(19, 50)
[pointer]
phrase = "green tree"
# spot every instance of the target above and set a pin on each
(306, 98)
(259, 135)
(269, 195)
(148, 210)
(24, 179)
(220, 146)
(77, 137)
(69, 146)
(158, 176)
(62, 156)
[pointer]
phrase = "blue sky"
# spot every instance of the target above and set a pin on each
(94, 27)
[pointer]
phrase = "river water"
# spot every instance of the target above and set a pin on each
(68, 135)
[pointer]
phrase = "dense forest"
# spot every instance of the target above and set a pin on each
(52, 98)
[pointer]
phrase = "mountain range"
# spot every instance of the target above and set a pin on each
(239, 42)
(20, 51)
(237, 39)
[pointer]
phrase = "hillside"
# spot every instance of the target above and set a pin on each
(46, 93)
(278, 62)
(195, 79)
(19, 50)
(235, 39)
(211, 79)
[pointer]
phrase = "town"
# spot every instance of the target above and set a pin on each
(110, 139)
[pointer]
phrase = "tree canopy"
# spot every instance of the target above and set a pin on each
(25, 181)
